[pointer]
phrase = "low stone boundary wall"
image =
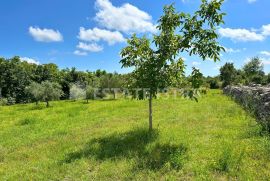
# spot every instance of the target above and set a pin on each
(255, 99)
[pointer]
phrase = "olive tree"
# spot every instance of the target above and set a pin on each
(35, 90)
(76, 92)
(89, 93)
(50, 91)
(156, 62)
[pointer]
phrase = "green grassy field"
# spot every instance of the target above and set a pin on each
(214, 139)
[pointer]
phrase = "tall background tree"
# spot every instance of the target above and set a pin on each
(254, 71)
(156, 68)
(228, 74)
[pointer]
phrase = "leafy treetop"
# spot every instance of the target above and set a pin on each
(158, 67)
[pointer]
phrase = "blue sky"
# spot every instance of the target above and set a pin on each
(89, 34)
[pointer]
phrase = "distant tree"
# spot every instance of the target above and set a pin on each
(254, 71)
(77, 92)
(228, 74)
(110, 82)
(15, 75)
(99, 73)
(35, 90)
(89, 93)
(46, 72)
(240, 77)
(50, 91)
(213, 82)
(156, 68)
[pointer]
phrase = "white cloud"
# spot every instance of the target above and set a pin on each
(266, 30)
(92, 47)
(80, 53)
(97, 34)
(45, 35)
(265, 61)
(196, 63)
(29, 60)
(241, 34)
(126, 18)
(231, 50)
(267, 53)
(245, 35)
(251, 1)
(217, 67)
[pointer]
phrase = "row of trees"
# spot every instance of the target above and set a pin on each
(22, 82)
(251, 73)
(18, 78)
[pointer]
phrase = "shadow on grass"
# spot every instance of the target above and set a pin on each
(26, 121)
(108, 99)
(135, 145)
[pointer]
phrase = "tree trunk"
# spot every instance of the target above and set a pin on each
(47, 104)
(87, 101)
(150, 113)
(36, 103)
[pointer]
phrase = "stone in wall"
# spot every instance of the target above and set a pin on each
(254, 98)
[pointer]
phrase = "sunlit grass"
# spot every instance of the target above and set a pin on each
(212, 139)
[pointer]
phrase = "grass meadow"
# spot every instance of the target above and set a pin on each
(214, 139)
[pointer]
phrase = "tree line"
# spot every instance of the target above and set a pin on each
(251, 73)
(22, 82)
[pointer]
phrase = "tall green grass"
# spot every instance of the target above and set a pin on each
(214, 139)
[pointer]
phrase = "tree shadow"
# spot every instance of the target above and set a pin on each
(37, 107)
(109, 99)
(134, 145)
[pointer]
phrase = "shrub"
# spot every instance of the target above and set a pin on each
(11, 101)
(77, 92)
(3, 102)
(214, 84)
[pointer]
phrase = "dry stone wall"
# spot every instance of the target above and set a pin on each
(254, 98)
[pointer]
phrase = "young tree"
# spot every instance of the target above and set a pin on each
(76, 92)
(228, 74)
(157, 67)
(89, 93)
(50, 91)
(35, 89)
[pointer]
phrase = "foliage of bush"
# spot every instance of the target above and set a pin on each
(11, 101)
(77, 92)
(3, 101)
